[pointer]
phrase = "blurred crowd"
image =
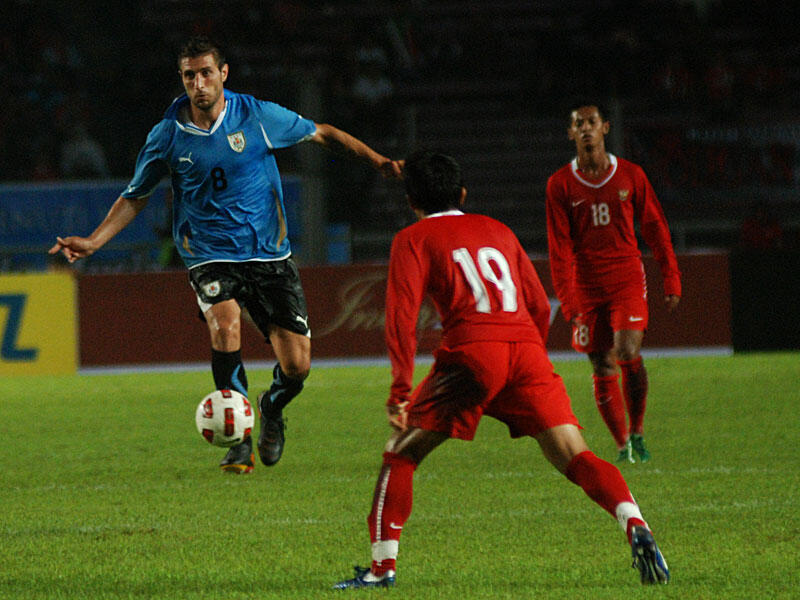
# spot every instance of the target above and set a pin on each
(87, 81)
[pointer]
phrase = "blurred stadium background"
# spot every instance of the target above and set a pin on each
(702, 93)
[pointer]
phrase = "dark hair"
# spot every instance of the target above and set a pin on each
(199, 45)
(433, 181)
(601, 110)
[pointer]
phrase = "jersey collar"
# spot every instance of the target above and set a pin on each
(181, 120)
(445, 213)
(599, 184)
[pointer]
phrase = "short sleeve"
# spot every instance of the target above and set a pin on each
(283, 127)
(151, 167)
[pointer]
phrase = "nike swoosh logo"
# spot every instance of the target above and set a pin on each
(577, 202)
(393, 526)
(634, 319)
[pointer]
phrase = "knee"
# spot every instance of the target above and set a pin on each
(627, 352)
(414, 444)
(297, 369)
(628, 345)
(409, 452)
(225, 333)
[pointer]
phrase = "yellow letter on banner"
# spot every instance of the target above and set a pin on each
(38, 330)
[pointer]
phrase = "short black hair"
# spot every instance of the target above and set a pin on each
(199, 45)
(433, 181)
(601, 110)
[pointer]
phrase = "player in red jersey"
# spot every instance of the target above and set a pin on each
(491, 360)
(595, 262)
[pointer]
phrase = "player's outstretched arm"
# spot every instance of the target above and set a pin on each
(119, 215)
(341, 142)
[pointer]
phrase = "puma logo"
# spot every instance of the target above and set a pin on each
(186, 159)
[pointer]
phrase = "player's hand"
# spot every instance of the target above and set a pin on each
(671, 302)
(396, 411)
(73, 247)
(392, 169)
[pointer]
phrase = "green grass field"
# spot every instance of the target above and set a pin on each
(108, 491)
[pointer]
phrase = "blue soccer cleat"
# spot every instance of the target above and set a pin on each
(647, 557)
(359, 581)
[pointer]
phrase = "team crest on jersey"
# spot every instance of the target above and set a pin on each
(212, 289)
(623, 195)
(237, 141)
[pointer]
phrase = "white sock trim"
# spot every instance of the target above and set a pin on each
(372, 577)
(384, 549)
(625, 511)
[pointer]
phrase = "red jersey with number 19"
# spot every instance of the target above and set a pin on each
(591, 235)
(477, 274)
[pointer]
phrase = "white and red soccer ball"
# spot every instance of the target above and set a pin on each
(224, 418)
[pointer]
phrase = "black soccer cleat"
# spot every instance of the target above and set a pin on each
(239, 459)
(271, 438)
(647, 558)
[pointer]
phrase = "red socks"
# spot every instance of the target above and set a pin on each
(391, 503)
(612, 402)
(634, 387)
(601, 480)
(391, 507)
(608, 398)
(604, 484)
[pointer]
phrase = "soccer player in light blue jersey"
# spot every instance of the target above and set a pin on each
(229, 226)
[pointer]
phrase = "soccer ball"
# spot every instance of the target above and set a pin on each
(224, 418)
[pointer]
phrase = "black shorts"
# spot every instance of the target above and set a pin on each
(270, 291)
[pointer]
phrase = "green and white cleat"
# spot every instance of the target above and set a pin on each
(626, 453)
(637, 441)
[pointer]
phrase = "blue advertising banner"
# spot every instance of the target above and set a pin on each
(32, 215)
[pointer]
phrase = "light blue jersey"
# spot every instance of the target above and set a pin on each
(227, 195)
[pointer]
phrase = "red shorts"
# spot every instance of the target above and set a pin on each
(593, 329)
(513, 382)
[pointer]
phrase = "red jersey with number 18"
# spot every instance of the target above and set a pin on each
(477, 274)
(591, 236)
